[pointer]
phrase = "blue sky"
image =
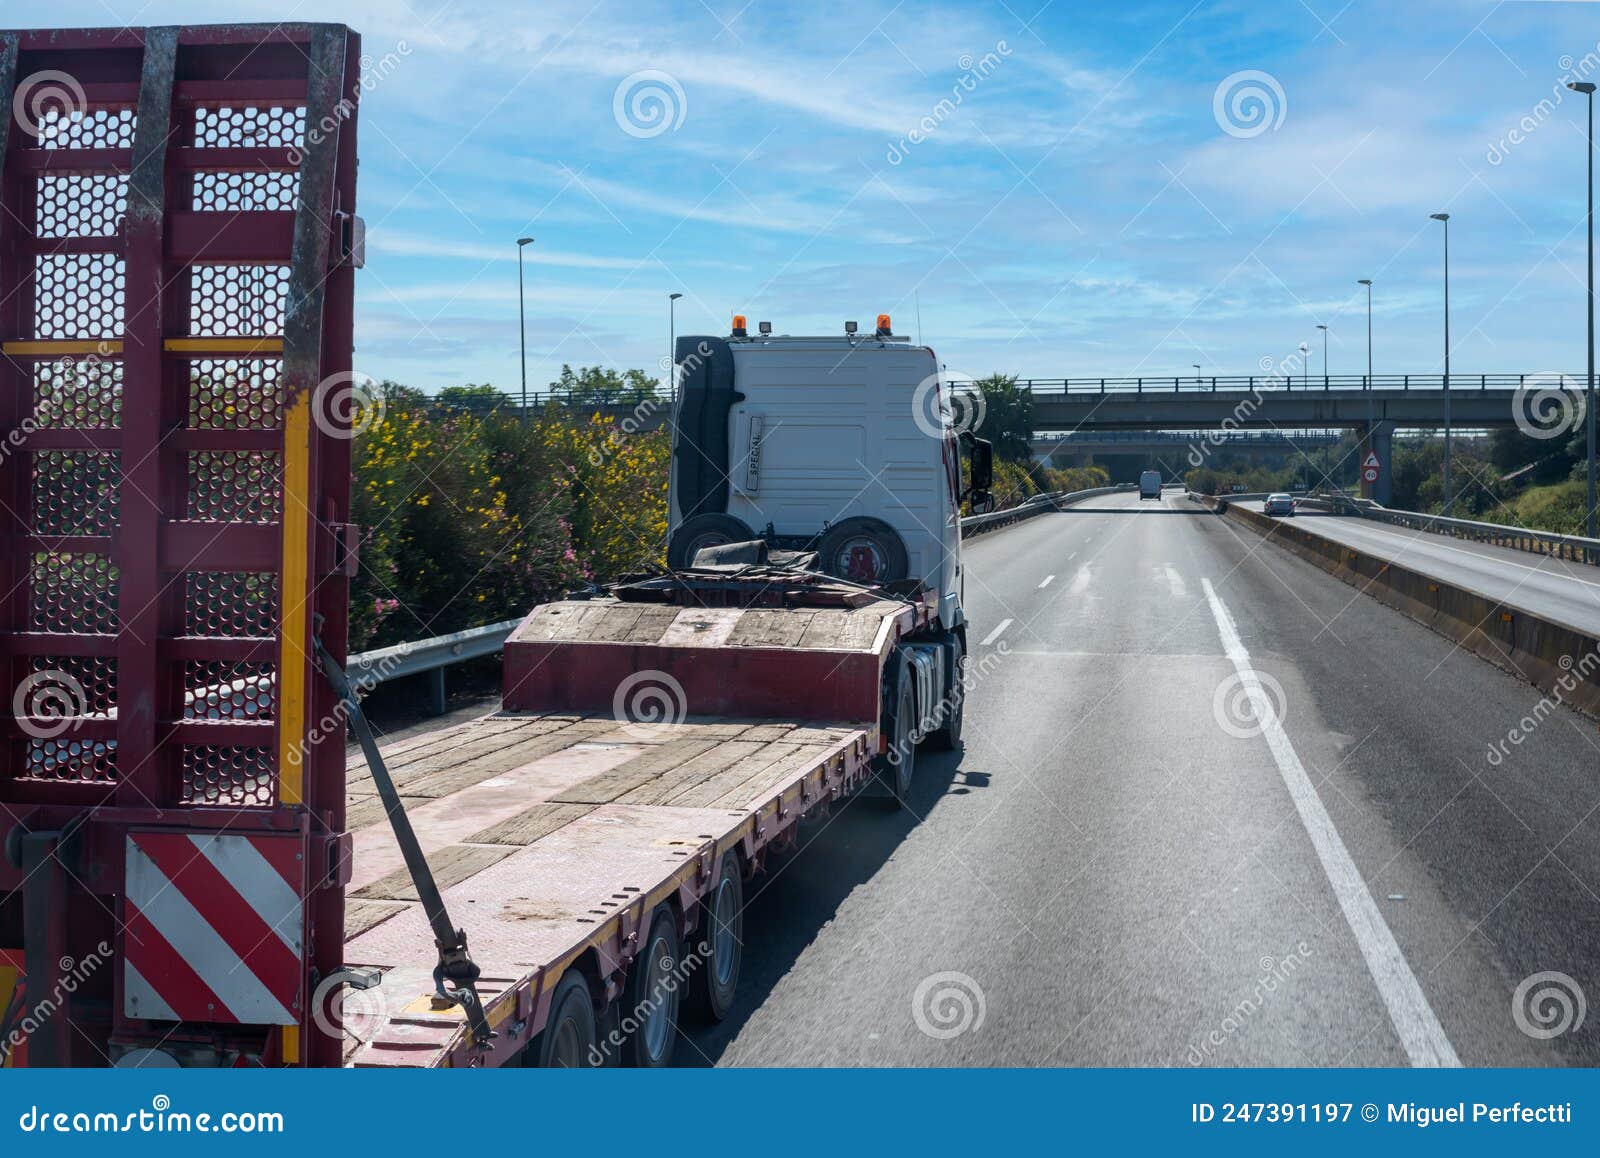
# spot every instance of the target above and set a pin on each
(1083, 210)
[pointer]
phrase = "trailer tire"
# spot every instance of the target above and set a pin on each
(708, 530)
(864, 550)
(720, 943)
(897, 766)
(947, 736)
(570, 1036)
(650, 999)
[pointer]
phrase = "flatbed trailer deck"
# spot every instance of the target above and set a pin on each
(556, 836)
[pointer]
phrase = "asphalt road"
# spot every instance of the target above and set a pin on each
(1215, 808)
(1554, 588)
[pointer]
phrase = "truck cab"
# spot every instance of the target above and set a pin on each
(843, 445)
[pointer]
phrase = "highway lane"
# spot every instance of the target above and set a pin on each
(1555, 588)
(1123, 868)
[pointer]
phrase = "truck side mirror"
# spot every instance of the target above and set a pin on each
(981, 452)
(982, 502)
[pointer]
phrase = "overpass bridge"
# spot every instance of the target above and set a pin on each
(1046, 446)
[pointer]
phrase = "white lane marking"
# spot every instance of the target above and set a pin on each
(1413, 1018)
(1072, 556)
(1080, 581)
(995, 634)
(1180, 589)
(1046, 582)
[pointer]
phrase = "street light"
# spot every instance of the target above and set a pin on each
(672, 341)
(522, 323)
(1587, 89)
(1324, 330)
(1196, 366)
(1445, 218)
(1305, 366)
(1367, 281)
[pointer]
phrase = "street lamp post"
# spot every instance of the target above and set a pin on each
(1587, 89)
(1448, 496)
(1367, 281)
(672, 342)
(522, 323)
(1305, 366)
(1196, 366)
(1324, 330)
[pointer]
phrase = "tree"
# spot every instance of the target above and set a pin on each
(1007, 417)
(603, 384)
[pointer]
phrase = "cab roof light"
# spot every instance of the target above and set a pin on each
(764, 327)
(883, 326)
(739, 327)
(849, 327)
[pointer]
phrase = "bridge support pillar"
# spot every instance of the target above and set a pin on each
(1379, 438)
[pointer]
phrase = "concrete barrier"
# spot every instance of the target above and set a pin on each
(1556, 658)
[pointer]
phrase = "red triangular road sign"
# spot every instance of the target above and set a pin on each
(1371, 459)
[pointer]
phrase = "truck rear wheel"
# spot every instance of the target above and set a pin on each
(708, 530)
(569, 1037)
(947, 734)
(899, 763)
(720, 943)
(650, 1005)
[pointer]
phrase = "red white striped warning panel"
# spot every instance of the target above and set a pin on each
(215, 928)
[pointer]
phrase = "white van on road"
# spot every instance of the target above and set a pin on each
(1149, 485)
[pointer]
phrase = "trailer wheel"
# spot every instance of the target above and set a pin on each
(720, 943)
(650, 1002)
(569, 1037)
(708, 530)
(947, 736)
(864, 550)
(897, 765)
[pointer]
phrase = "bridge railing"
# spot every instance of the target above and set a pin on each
(1170, 384)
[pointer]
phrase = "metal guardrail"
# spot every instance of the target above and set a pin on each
(371, 668)
(1038, 504)
(1190, 383)
(1575, 548)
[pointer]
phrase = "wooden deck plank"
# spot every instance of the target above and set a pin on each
(695, 770)
(361, 915)
(482, 766)
(767, 782)
(776, 628)
(533, 823)
(450, 865)
(740, 772)
(641, 770)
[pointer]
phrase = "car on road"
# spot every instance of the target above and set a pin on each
(1279, 504)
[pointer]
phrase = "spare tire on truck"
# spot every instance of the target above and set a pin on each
(864, 550)
(708, 530)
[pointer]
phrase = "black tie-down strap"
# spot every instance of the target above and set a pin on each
(455, 963)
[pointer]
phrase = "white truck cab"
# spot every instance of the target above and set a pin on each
(839, 444)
